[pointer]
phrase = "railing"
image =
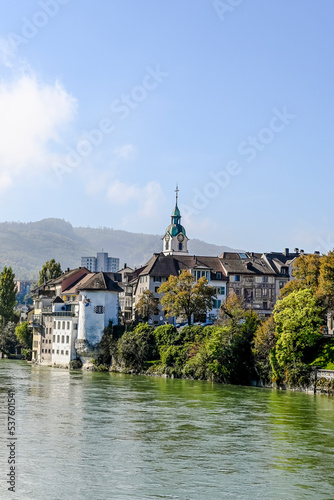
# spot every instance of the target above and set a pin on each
(36, 319)
(47, 309)
(63, 313)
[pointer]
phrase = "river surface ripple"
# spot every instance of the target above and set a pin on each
(101, 436)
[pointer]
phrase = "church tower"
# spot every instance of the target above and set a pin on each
(175, 240)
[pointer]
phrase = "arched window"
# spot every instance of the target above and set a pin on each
(180, 246)
(167, 245)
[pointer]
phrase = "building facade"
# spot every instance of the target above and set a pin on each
(101, 263)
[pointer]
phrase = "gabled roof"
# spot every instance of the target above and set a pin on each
(66, 274)
(100, 281)
(58, 300)
(246, 263)
(172, 265)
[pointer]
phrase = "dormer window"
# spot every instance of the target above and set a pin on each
(219, 276)
(284, 270)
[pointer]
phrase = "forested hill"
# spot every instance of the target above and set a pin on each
(27, 246)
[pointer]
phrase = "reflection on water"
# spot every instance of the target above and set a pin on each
(105, 436)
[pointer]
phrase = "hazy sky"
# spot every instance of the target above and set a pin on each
(105, 105)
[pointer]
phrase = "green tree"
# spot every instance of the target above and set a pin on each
(50, 271)
(148, 305)
(7, 295)
(24, 336)
(264, 342)
(134, 348)
(326, 279)
(306, 272)
(298, 318)
(8, 340)
(182, 296)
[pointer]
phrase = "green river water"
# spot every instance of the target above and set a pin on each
(100, 436)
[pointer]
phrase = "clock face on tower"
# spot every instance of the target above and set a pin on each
(180, 237)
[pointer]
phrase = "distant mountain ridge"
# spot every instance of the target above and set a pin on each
(27, 246)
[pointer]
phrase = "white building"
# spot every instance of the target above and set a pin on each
(98, 305)
(101, 263)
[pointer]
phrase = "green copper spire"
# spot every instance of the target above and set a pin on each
(176, 212)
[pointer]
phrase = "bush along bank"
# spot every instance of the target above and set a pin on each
(285, 351)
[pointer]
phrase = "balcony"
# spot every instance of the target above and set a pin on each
(36, 321)
(63, 314)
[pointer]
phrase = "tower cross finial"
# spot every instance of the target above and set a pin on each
(177, 191)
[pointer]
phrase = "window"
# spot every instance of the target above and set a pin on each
(180, 246)
(281, 284)
(58, 325)
(99, 309)
(63, 326)
(75, 326)
(62, 353)
(258, 293)
(237, 291)
(265, 292)
(156, 289)
(167, 245)
(222, 291)
(157, 279)
(237, 277)
(67, 339)
(265, 279)
(54, 324)
(66, 352)
(219, 276)
(57, 351)
(58, 338)
(42, 350)
(43, 340)
(284, 270)
(54, 338)
(217, 304)
(62, 339)
(68, 325)
(49, 341)
(49, 351)
(265, 305)
(53, 351)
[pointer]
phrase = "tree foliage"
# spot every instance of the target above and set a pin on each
(298, 318)
(264, 342)
(182, 296)
(134, 348)
(7, 295)
(50, 271)
(24, 336)
(8, 340)
(148, 305)
(306, 272)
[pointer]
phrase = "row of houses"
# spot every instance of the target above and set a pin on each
(71, 311)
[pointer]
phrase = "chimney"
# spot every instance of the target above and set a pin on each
(286, 252)
(301, 252)
(316, 252)
(125, 265)
(296, 250)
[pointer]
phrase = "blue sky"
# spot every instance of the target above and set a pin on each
(105, 105)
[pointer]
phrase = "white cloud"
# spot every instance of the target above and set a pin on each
(149, 201)
(32, 115)
(124, 152)
(8, 53)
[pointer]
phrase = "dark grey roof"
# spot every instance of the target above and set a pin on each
(172, 265)
(101, 281)
(58, 300)
(252, 264)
